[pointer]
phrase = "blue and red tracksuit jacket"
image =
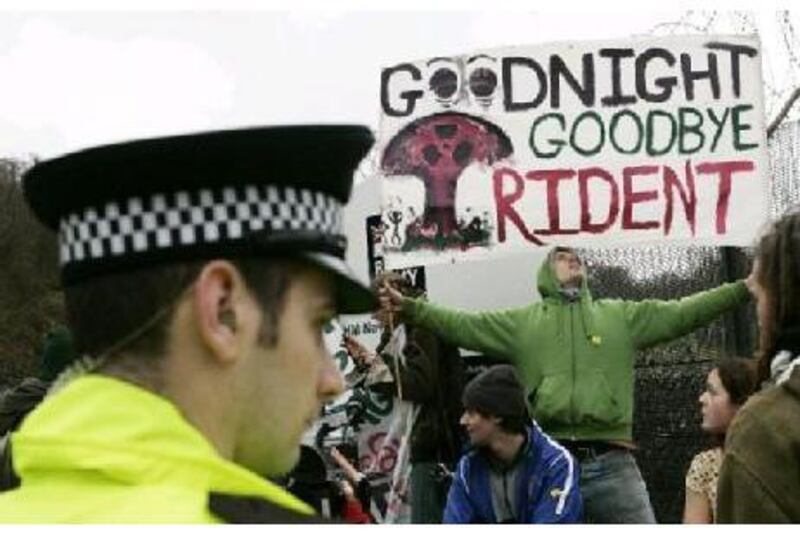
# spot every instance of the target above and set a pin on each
(547, 486)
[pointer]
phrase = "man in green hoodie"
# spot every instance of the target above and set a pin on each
(576, 357)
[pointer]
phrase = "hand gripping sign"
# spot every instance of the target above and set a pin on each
(585, 144)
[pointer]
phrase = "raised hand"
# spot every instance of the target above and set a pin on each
(347, 467)
(391, 300)
(357, 351)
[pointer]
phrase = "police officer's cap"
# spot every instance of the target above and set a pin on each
(259, 192)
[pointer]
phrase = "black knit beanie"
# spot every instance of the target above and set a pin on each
(498, 392)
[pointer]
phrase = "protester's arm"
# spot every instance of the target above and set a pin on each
(419, 375)
(696, 508)
(655, 321)
(491, 332)
(360, 354)
(352, 511)
(558, 499)
(459, 509)
(353, 475)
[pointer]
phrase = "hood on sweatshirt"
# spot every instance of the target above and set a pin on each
(551, 291)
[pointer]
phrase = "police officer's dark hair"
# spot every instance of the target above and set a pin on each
(131, 311)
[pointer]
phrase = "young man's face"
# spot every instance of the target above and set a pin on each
(288, 383)
(481, 429)
(567, 268)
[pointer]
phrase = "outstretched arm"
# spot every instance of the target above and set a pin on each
(655, 321)
(491, 332)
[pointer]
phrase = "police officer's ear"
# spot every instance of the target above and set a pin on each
(221, 304)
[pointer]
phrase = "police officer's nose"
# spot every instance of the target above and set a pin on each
(331, 381)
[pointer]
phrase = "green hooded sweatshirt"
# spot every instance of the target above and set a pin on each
(576, 358)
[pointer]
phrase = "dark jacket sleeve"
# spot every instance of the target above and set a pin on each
(19, 401)
(655, 321)
(419, 377)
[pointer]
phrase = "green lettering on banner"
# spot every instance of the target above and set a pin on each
(650, 132)
(379, 405)
(558, 143)
(342, 359)
(599, 121)
(685, 128)
(738, 127)
(719, 123)
(612, 128)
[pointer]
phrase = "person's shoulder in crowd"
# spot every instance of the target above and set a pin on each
(551, 455)
(763, 410)
(766, 430)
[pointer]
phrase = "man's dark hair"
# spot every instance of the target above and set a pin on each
(509, 424)
(130, 311)
(518, 425)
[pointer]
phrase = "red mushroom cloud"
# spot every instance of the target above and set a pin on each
(437, 149)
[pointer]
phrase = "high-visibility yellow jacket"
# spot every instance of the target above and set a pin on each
(102, 450)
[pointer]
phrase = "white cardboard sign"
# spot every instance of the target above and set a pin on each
(586, 144)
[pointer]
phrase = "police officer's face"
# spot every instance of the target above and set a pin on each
(289, 382)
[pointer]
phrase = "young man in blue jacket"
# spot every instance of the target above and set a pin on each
(516, 473)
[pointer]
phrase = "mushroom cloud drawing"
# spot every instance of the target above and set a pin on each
(436, 149)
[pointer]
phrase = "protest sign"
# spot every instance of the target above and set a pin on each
(585, 144)
(378, 232)
(372, 419)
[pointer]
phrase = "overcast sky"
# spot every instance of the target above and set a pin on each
(75, 79)
(71, 80)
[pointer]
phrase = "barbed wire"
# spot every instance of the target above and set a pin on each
(781, 59)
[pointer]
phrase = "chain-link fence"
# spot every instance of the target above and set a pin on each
(670, 378)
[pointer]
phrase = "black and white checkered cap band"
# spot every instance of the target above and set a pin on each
(205, 216)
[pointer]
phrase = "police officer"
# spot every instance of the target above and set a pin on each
(198, 271)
